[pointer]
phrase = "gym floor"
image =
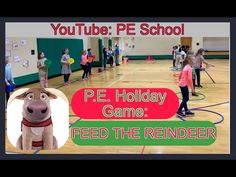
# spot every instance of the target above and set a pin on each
(153, 74)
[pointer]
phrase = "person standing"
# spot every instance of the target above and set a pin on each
(90, 61)
(198, 60)
(8, 78)
(66, 68)
(117, 53)
(110, 56)
(84, 65)
(105, 58)
(185, 81)
(43, 71)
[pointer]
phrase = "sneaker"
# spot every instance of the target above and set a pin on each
(200, 86)
(83, 79)
(180, 114)
(189, 113)
(194, 94)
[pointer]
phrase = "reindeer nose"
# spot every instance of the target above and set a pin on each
(37, 109)
(30, 110)
(44, 110)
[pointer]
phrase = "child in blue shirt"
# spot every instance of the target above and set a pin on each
(8, 77)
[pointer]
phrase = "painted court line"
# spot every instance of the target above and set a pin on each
(212, 105)
(37, 151)
(142, 151)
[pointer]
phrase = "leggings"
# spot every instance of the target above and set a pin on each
(43, 80)
(66, 78)
(85, 68)
(185, 95)
(198, 77)
(111, 61)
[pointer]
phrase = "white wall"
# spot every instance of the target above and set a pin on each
(216, 43)
(196, 40)
(149, 46)
(24, 53)
(92, 42)
(86, 42)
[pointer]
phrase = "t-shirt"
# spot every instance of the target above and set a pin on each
(41, 63)
(8, 73)
(197, 61)
(89, 54)
(109, 53)
(84, 60)
(183, 53)
(185, 77)
(117, 51)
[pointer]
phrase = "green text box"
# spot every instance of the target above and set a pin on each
(149, 133)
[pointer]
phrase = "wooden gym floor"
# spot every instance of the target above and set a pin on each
(144, 74)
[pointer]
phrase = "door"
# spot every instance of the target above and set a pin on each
(186, 41)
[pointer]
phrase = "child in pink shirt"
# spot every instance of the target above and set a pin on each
(84, 65)
(185, 81)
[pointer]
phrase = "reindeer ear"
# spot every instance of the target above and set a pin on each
(21, 96)
(51, 95)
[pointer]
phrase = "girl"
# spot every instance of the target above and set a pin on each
(183, 56)
(83, 64)
(8, 77)
(174, 55)
(110, 56)
(43, 71)
(178, 57)
(190, 54)
(117, 53)
(90, 61)
(105, 57)
(185, 81)
(198, 60)
(66, 69)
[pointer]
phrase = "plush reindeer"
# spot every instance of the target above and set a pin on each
(37, 128)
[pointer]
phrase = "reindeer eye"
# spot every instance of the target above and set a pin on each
(30, 96)
(43, 96)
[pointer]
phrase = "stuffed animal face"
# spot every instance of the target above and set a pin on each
(36, 106)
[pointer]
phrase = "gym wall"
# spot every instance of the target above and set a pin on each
(159, 47)
(139, 48)
(195, 41)
(216, 43)
(19, 50)
(52, 49)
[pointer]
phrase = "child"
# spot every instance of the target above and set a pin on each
(8, 77)
(183, 56)
(117, 53)
(178, 57)
(66, 69)
(43, 71)
(105, 57)
(90, 61)
(185, 81)
(110, 56)
(174, 55)
(190, 54)
(83, 64)
(198, 60)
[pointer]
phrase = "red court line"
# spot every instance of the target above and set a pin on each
(142, 151)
